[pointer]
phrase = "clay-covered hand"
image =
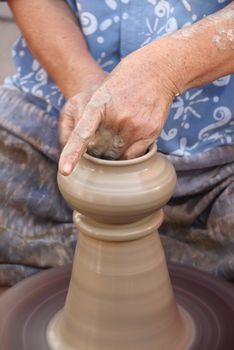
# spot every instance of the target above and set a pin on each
(75, 106)
(131, 107)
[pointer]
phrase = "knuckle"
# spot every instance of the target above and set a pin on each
(153, 128)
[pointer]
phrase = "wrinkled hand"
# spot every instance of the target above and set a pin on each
(132, 104)
(75, 106)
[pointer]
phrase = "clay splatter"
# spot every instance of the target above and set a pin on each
(101, 98)
(223, 38)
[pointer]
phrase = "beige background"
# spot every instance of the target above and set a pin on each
(8, 34)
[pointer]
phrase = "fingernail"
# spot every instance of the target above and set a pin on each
(67, 168)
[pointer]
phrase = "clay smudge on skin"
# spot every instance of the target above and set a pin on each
(223, 38)
(226, 14)
(83, 133)
(101, 98)
(106, 143)
(185, 33)
(85, 125)
(218, 42)
(188, 32)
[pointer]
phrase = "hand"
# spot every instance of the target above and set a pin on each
(132, 104)
(75, 106)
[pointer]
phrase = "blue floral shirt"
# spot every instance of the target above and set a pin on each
(200, 119)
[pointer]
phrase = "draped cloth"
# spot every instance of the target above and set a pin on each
(198, 229)
(36, 229)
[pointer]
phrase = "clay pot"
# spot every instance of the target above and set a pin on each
(119, 191)
(120, 295)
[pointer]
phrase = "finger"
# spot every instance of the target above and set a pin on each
(70, 115)
(66, 125)
(83, 101)
(79, 139)
(66, 120)
(138, 149)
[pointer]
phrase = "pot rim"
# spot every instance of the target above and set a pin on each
(149, 154)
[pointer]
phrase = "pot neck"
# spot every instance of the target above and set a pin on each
(120, 163)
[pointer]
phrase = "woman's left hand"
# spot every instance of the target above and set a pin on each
(75, 106)
(132, 103)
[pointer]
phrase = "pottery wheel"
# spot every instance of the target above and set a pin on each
(27, 308)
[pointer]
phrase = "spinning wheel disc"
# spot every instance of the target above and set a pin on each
(26, 309)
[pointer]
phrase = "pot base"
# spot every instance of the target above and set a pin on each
(56, 342)
(27, 309)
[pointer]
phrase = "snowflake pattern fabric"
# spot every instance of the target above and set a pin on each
(199, 119)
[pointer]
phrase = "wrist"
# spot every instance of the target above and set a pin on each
(93, 79)
(81, 76)
(165, 68)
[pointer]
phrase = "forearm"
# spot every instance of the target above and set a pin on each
(55, 39)
(202, 52)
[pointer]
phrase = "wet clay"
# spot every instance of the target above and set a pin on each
(106, 144)
(120, 295)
